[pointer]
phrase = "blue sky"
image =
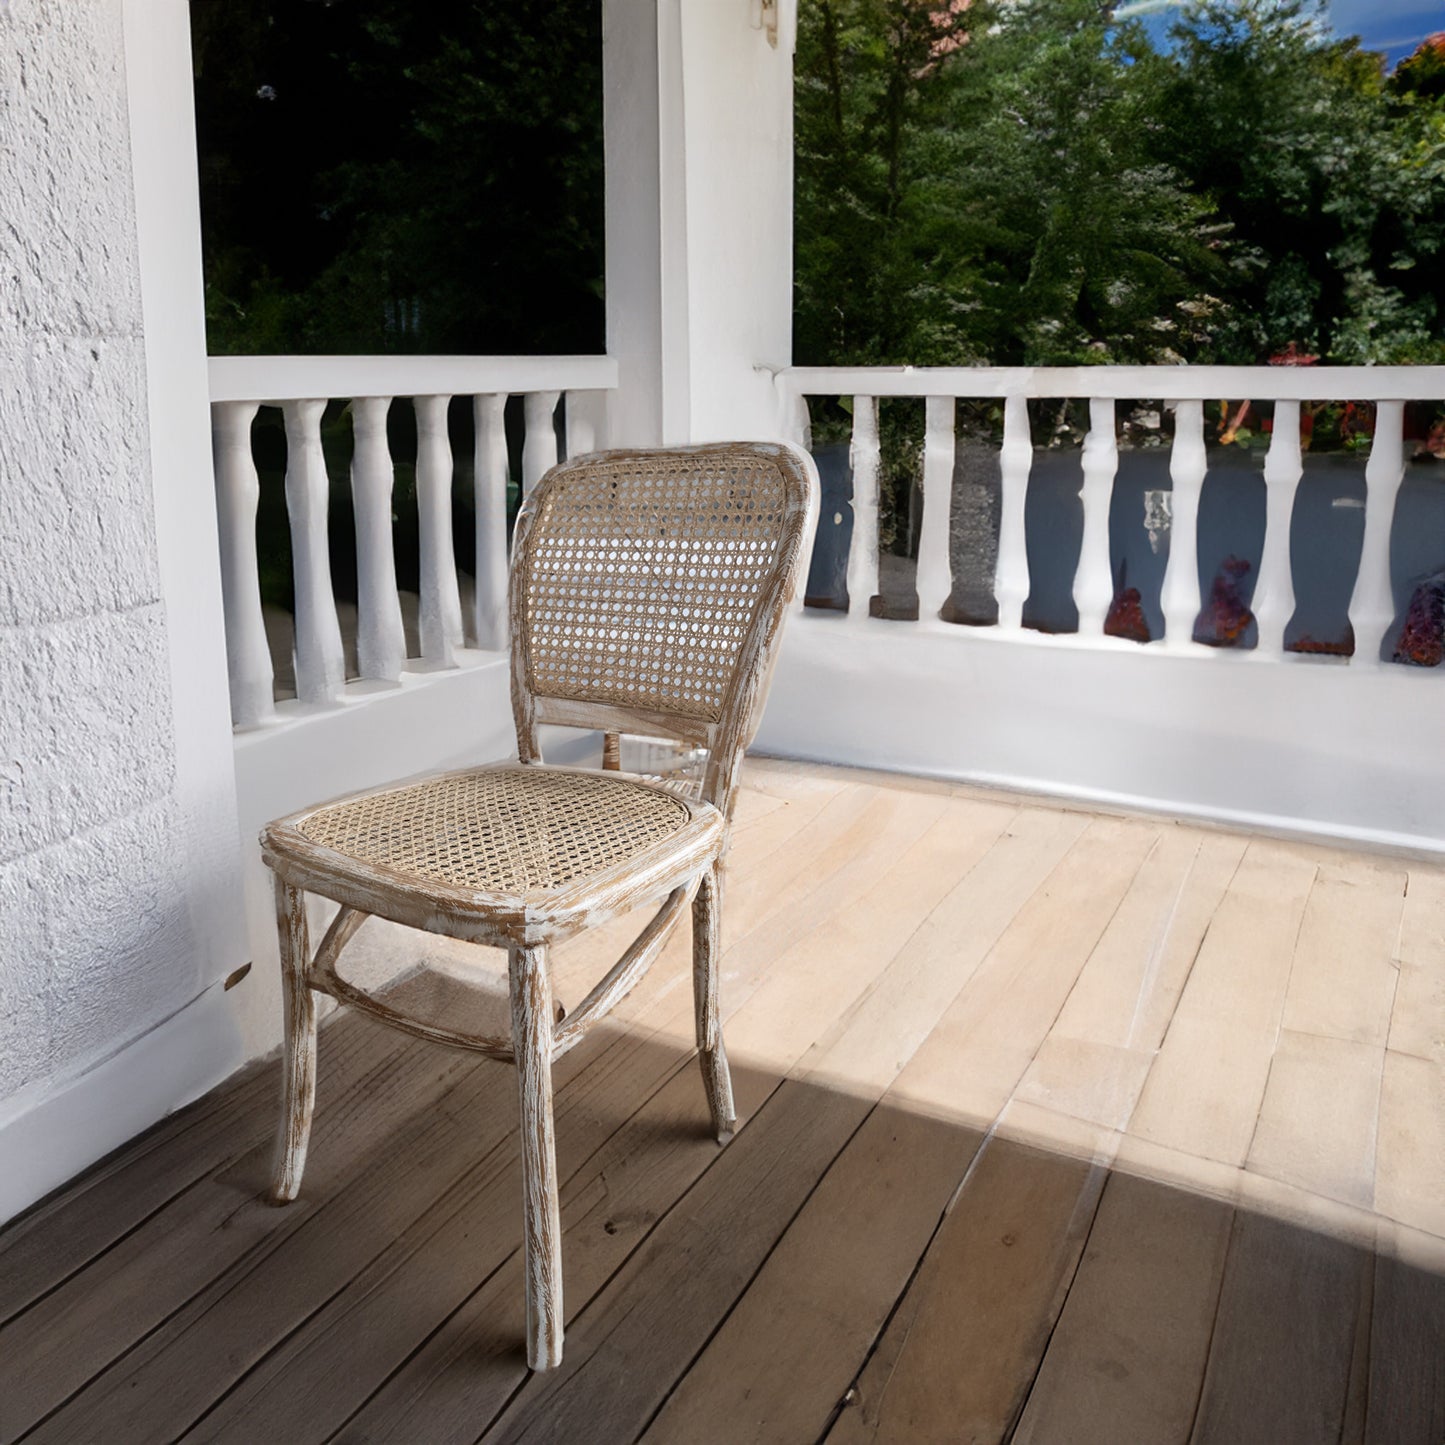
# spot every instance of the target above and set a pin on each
(1395, 27)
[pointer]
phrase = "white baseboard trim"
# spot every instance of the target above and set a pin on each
(67, 1130)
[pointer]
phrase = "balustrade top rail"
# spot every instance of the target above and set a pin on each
(1124, 383)
(274, 379)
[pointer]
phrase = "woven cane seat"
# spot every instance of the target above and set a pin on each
(516, 831)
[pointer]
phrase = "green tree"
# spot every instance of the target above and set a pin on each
(379, 176)
(1331, 176)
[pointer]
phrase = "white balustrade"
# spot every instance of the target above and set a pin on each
(1016, 461)
(299, 385)
(1273, 604)
(440, 612)
(320, 661)
(1372, 609)
(1094, 579)
(539, 447)
(491, 503)
(238, 492)
(1372, 606)
(865, 456)
(380, 639)
(935, 572)
(1179, 595)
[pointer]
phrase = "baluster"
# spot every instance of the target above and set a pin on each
(238, 491)
(1372, 604)
(1094, 580)
(1188, 462)
(797, 420)
(586, 422)
(491, 503)
(935, 574)
(320, 662)
(440, 621)
(863, 552)
(1274, 592)
(1015, 462)
(798, 429)
(539, 448)
(380, 639)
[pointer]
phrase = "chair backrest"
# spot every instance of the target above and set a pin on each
(648, 590)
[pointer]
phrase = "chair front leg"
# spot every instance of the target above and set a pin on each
(299, 1078)
(530, 986)
(706, 967)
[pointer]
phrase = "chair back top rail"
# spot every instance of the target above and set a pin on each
(1164, 383)
(273, 379)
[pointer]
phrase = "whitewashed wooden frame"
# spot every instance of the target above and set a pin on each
(680, 870)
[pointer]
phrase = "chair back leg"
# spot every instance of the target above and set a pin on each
(530, 987)
(706, 967)
(299, 1077)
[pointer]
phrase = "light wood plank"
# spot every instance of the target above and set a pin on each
(1318, 1120)
(1417, 1021)
(1005, 1010)
(1127, 1357)
(1343, 979)
(1203, 1093)
(1410, 1163)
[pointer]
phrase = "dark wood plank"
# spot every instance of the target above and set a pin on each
(783, 1359)
(153, 1276)
(61, 1235)
(1127, 1357)
(960, 1354)
(1406, 1400)
(632, 1153)
(637, 1338)
(1279, 1364)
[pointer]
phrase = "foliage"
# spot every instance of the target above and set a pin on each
(378, 176)
(1034, 182)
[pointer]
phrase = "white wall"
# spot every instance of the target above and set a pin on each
(119, 904)
(1301, 746)
(699, 140)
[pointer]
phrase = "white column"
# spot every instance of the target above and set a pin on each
(491, 504)
(238, 492)
(935, 572)
(380, 640)
(440, 621)
(1274, 592)
(1188, 462)
(1015, 461)
(320, 663)
(863, 551)
(1372, 604)
(539, 446)
(1094, 580)
(697, 128)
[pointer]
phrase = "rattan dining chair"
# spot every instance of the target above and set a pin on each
(648, 591)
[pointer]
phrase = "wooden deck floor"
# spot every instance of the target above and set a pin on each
(1059, 1128)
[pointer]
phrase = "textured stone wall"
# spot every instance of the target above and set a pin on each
(95, 941)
